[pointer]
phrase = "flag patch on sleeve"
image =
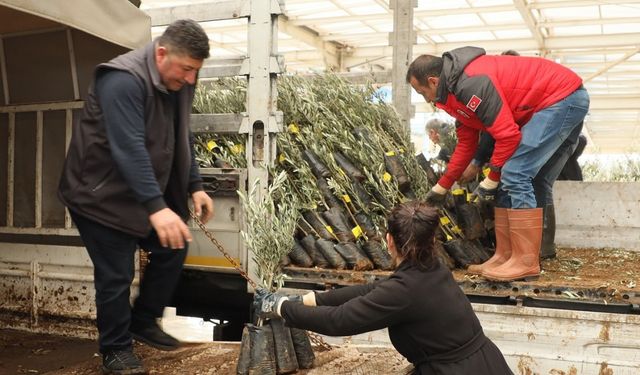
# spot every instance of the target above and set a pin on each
(474, 102)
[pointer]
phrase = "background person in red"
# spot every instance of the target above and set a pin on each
(530, 106)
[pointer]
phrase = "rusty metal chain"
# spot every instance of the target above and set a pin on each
(312, 336)
(217, 244)
(319, 341)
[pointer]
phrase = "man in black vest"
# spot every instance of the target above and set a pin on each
(129, 173)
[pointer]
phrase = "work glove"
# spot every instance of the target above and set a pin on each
(486, 191)
(267, 305)
(436, 196)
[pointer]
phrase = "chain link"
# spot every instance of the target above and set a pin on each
(217, 244)
(312, 336)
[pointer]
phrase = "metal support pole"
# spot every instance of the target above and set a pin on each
(261, 125)
(402, 40)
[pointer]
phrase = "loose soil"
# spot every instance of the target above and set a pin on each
(614, 273)
(29, 353)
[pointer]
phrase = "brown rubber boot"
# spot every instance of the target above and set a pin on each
(503, 244)
(525, 228)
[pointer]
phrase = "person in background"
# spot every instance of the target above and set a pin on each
(534, 109)
(442, 133)
(429, 319)
(129, 172)
(572, 170)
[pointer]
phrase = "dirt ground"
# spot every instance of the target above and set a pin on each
(28, 353)
(614, 273)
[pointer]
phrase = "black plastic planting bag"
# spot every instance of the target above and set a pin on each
(479, 251)
(443, 256)
(327, 194)
(347, 166)
(382, 200)
(263, 360)
(366, 224)
(317, 167)
(328, 251)
(356, 259)
(378, 254)
(302, 346)
(338, 222)
(286, 362)
(362, 134)
(309, 245)
(299, 256)
(312, 218)
(285, 261)
(362, 194)
(394, 166)
(303, 227)
(465, 252)
(257, 356)
(244, 360)
(470, 221)
(432, 177)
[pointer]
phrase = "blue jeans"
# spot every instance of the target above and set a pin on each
(548, 139)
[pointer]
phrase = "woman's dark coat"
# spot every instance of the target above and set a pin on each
(429, 318)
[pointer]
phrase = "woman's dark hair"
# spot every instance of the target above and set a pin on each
(413, 226)
(186, 37)
(424, 66)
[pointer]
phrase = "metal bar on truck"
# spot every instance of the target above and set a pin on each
(74, 68)
(10, 167)
(68, 126)
(38, 180)
(3, 72)
(219, 123)
(53, 106)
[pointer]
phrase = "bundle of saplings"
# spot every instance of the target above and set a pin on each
(271, 215)
(348, 160)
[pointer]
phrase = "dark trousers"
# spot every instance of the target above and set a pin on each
(112, 253)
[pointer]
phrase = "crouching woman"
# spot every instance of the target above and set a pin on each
(430, 320)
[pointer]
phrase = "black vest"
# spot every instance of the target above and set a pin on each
(91, 184)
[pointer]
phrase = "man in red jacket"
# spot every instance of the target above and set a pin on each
(530, 106)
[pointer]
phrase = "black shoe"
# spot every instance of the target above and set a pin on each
(122, 362)
(152, 335)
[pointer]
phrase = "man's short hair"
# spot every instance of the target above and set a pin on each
(511, 52)
(186, 37)
(424, 66)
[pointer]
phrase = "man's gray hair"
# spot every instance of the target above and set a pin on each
(440, 126)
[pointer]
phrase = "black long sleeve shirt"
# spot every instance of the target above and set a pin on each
(122, 97)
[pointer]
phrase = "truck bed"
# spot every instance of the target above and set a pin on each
(584, 279)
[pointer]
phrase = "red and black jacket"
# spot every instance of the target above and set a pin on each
(498, 94)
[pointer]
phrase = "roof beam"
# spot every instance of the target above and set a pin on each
(416, 14)
(214, 11)
(612, 64)
(220, 10)
(575, 3)
(330, 51)
(524, 44)
(525, 12)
